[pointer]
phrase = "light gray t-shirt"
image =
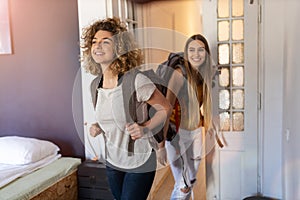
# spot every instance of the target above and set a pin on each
(110, 115)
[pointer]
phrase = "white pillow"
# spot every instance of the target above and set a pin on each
(21, 150)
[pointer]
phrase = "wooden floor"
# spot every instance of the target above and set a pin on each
(166, 186)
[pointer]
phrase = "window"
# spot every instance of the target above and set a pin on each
(230, 17)
(125, 10)
(5, 41)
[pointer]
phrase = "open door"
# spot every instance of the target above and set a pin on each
(231, 26)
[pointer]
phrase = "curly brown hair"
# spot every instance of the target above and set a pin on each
(128, 55)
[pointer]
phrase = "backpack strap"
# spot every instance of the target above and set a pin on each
(93, 89)
(130, 100)
(129, 95)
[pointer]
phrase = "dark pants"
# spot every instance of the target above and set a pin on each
(134, 184)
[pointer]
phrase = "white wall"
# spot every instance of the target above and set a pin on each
(272, 96)
(291, 108)
(281, 44)
(37, 79)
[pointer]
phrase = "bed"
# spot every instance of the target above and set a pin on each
(34, 169)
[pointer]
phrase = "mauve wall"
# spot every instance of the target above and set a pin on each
(36, 81)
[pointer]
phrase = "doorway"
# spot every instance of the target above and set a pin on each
(166, 27)
(231, 27)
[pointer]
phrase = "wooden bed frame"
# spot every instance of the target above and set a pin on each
(64, 189)
(57, 180)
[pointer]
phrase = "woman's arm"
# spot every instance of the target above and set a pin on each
(162, 114)
(174, 86)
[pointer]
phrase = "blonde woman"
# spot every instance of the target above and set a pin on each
(190, 85)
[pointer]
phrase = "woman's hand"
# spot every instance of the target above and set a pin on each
(95, 130)
(135, 131)
(161, 155)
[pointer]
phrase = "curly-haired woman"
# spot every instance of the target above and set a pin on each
(110, 52)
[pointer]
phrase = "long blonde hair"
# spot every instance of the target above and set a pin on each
(201, 76)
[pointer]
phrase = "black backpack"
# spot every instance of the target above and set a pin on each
(165, 71)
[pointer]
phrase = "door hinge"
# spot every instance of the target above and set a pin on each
(259, 14)
(259, 101)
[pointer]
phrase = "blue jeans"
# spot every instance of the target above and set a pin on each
(131, 184)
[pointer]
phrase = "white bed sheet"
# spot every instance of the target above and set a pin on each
(8, 173)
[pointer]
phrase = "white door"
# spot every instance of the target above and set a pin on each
(231, 27)
(88, 12)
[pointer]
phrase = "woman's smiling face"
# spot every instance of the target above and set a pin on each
(102, 49)
(196, 53)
